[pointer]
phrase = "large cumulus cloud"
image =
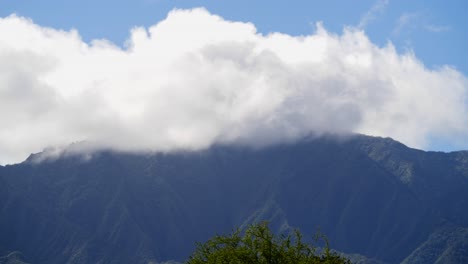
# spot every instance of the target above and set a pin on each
(195, 79)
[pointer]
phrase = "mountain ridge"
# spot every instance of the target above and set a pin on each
(371, 196)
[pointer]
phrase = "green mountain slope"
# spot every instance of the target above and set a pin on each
(370, 196)
(446, 246)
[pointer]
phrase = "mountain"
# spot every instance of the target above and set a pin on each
(375, 199)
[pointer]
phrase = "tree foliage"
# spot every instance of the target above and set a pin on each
(258, 245)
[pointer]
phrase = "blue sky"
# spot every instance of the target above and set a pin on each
(434, 30)
(377, 67)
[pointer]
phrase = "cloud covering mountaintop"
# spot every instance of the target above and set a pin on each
(195, 79)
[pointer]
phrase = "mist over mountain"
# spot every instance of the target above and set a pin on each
(374, 198)
(196, 79)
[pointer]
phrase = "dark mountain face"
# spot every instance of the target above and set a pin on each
(370, 196)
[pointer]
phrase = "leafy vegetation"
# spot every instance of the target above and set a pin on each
(260, 245)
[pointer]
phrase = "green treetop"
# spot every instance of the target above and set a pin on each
(260, 246)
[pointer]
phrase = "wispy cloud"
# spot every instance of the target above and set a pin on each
(405, 21)
(372, 13)
(152, 2)
(437, 28)
(409, 22)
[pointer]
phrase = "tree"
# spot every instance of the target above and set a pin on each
(259, 245)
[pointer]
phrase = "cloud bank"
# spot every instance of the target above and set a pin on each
(195, 79)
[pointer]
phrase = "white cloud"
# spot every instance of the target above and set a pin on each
(195, 79)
